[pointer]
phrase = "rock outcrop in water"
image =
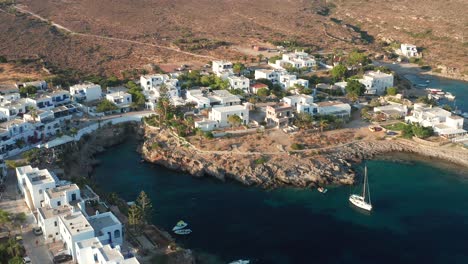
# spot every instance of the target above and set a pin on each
(304, 168)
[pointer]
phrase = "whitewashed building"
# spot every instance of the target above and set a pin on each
(442, 121)
(12, 132)
(272, 75)
(297, 59)
(33, 183)
(198, 97)
(60, 97)
(336, 108)
(94, 251)
(376, 82)
(222, 69)
(222, 114)
(10, 109)
(41, 85)
(393, 110)
(122, 100)
(301, 103)
(409, 50)
(41, 101)
(280, 77)
(86, 92)
(239, 82)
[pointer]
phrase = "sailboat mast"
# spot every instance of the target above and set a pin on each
(365, 180)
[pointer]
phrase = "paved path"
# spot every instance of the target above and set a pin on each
(12, 202)
(23, 10)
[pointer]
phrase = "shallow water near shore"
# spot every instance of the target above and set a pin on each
(420, 213)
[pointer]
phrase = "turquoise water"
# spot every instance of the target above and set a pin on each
(420, 214)
(457, 88)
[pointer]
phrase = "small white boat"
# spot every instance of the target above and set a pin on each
(428, 81)
(180, 225)
(450, 96)
(240, 261)
(360, 200)
(183, 231)
(465, 115)
(322, 190)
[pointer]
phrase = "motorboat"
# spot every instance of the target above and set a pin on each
(183, 231)
(450, 96)
(322, 190)
(180, 225)
(359, 200)
(240, 261)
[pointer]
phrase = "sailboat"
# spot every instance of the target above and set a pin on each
(360, 200)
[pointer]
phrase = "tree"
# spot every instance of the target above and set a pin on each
(164, 106)
(3, 59)
(238, 67)
(303, 120)
(16, 260)
(106, 106)
(425, 100)
(323, 123)
(392, 90)
(138, 98)
(27, 91)
(422, 132)
(234, 120)
(134, 216)
(263, 92)
(144, 205)
(265, 81)
(354, 89)
(33, 112)
(357, 59)
(260, 58)
(274, 59)
(339, 72)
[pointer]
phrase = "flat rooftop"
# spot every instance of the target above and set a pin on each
(76, 223)
(100, 221)
(61, 190)
(329, 103)
(49, 212)
(40, 177)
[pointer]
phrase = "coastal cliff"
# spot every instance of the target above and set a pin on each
(302, 168)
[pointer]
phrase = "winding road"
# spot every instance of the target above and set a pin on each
(68, 30)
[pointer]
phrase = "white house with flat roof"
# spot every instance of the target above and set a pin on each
(376, 82)
(336, 108)
(60, 97)
(86, 92)
(272, 75)
(297, 59)
(280, 77)
(409, 50)
(107, 228)
(74, 227)
(207, 125)
(41, 101)
(393, 110)
(122, 100)
(222, 114)
(239, 82)
(223, 98)
(41, 85)
(198, 97)
(12, 132)
(302, 103)
(94, 251)
(33, 184)
(442, 121)
(10, 109)
(222, 68)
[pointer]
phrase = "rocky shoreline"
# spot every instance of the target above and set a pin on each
(306, 168)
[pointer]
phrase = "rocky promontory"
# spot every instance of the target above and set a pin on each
(301, 168)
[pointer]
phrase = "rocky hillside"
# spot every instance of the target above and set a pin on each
(216, 27)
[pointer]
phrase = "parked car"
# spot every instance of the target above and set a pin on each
(62, 258)
(37, 231)
(26, 260)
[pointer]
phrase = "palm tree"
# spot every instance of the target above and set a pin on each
(13, 248)
(33, 112)
(260, 58)
(323, 124)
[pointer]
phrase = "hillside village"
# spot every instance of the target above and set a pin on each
(218, 100)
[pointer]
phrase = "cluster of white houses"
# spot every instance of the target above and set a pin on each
(65, 214)
(442, 121)
(41, 116)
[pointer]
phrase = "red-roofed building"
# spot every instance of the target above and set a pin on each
(255, 87)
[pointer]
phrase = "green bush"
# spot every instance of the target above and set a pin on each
(261, 160)
(297, 146)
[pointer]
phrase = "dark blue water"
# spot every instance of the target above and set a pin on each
(420, 216)
(457, 88)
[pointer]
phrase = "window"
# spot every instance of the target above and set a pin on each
(40, 191)
(55, 224)
(117, 233)
(59, 203)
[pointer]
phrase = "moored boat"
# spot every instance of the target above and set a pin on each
(180, 225)
(322, 190)
(450, 96)
(183, 231)
(240, 261)
(360, 200)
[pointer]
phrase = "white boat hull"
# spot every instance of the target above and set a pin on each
(183, 232)
(358, 201)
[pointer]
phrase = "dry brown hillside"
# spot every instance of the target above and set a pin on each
(116, 35)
